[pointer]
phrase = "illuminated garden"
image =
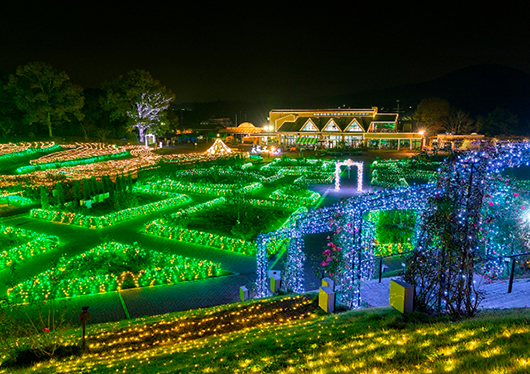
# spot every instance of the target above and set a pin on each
(87, 222)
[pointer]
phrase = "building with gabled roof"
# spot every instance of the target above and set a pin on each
(331, 127)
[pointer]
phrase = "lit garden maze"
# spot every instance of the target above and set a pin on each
(93, 220)
(133, 233)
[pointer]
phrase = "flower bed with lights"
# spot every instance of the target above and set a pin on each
(33, 244)
(97, 222)
(109, 267)
(244, 175)
(68, 163)
(142, 159)
(14, 150)
(80, 151)
(300, 196)
(288, 334)
(226, 226)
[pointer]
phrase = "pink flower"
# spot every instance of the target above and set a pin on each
(491, 203)
(522, 207)
(46, 329)
(324, 263)
(515, 194)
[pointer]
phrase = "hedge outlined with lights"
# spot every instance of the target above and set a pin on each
(165, 229)
(97, 222)
(36, 245)
(111, 267)
(283, 194)
(394, 173)
(201, 188)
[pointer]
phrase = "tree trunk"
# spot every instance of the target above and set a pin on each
(49, 124)
(141, 134)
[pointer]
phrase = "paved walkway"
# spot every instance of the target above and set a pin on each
(495, 294)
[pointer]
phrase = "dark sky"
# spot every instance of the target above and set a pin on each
(261, 50)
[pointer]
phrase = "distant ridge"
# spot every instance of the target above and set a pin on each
(476, 89)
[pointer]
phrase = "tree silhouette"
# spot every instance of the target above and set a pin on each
(45, 95)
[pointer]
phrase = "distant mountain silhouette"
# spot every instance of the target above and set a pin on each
(476, 89)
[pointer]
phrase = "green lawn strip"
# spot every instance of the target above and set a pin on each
(239, 338)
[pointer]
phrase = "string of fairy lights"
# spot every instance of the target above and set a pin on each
(77, 165)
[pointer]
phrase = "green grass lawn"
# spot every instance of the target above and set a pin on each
(244, 222)
(289, 335)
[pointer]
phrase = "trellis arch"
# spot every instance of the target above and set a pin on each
(349, 163)
(324, 220)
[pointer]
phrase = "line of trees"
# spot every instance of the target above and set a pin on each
(84, 190)
(436, 115)
(38, 99)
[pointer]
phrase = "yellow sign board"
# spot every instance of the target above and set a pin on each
(401, 296)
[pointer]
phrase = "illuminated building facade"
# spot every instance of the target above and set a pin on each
(327, 128)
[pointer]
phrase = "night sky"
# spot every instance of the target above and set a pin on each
(261, 50)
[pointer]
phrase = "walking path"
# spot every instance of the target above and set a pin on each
(495, 294)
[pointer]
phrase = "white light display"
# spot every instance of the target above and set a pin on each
(349, 163)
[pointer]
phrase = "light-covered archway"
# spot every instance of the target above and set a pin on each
(349, 163)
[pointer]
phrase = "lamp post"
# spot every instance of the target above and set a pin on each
(422, 132)
(84, 316)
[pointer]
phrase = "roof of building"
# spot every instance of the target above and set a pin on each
(323, 123)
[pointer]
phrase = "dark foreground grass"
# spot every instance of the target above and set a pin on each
(285, 336)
